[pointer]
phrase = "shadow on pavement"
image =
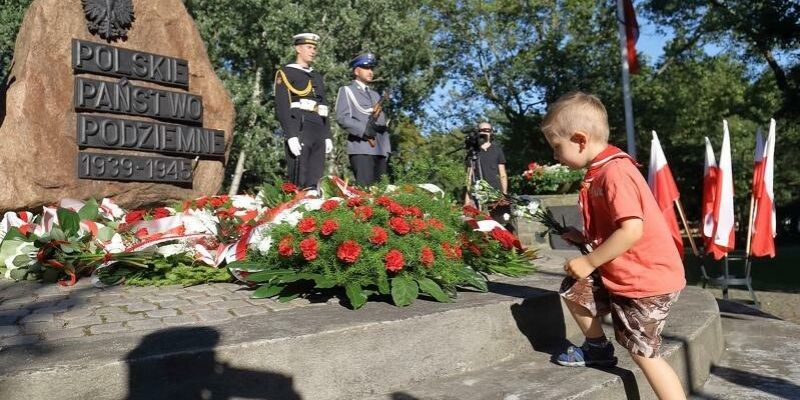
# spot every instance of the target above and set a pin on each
(180, 363)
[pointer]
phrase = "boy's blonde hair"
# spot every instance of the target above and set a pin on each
(576, 111)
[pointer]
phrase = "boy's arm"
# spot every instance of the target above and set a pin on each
(629, 232)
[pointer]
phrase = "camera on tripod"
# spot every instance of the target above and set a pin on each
(473, 139)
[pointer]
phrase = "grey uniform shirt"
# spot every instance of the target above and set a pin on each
(352, 115)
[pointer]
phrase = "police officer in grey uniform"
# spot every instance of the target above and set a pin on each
(303, 113)
(368, 144)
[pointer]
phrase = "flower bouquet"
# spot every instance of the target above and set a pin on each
(399, 242)
(547, 179)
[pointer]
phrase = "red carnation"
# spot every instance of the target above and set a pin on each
(506, 238)
(471, 211)
(285, 246)
(399, 225)
(379, 236)
(201, 202)
(307, 225)
(394, 260)
(451, 251)
(244, 229)
(289, 187)
(329, 205)
(328, 227)
(160, 212)
(355, 201)
(364, 212)
(417, 225)
(142, 233)
(383, 201)
(348, 251)
(134, 216)
(218, 201)
(309, 248)
(397, 209)
(426, 256)
(474, 249)
(435, 224)
(415, 211)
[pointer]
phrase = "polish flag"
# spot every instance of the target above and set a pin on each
(662, 184)
(723, 212)
(764, 226)
(710, 177)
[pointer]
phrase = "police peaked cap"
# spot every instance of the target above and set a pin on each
(364, 60)
(306, 38)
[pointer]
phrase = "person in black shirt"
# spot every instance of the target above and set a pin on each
(303, 113)
(492, 163)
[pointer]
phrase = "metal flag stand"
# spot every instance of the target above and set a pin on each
(726, 279)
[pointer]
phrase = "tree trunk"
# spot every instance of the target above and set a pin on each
(237, 174)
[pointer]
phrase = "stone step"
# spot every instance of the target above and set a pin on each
(693, 342)
(330, 352)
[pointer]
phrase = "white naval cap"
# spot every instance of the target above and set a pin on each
(306, 38)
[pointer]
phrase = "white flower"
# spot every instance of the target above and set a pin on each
(506, 217)
(200, 221)
(261, 238)
(110, 211)
(431, 188)
(390, 188)
(247, 202)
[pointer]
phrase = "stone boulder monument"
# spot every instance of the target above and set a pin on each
(111, 98)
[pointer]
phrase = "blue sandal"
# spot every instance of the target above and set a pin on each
(587, 356)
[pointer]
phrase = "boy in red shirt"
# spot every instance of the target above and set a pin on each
(634, 272)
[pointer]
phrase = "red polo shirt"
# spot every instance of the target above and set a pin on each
(652, 266)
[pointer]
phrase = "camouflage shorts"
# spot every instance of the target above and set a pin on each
(637, 322)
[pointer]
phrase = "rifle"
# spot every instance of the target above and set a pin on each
(376, 112)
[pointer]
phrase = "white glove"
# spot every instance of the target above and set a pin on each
(294, 146)
(328, 146)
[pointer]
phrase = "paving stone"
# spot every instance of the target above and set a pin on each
(214, 316)
(124, 301)
(17, 302)
(71, 302)
(16, 313)
(108, 299)
(238, 295)
(192, 295)
(180, 320)
(140, 290)
(6, 331)
(161, 313)
(121, 317)
(107, 310)
(51, 310)
(65, 334)
(227, 286)
(157, 298)
(249, 310)
(171, 291)
(177, 303)
(46, 302)
(275, 306)
(43, 317)
(19, 340)
(229, 304)
(39, 327)
(49, 290)
(195, 308)
(197, 288)
(300, 303)
(206, 300)
(108, 328)
(76, 313)
(141, 306)
(80, 322)
(146, 324)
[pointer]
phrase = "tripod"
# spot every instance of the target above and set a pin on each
(476, 174)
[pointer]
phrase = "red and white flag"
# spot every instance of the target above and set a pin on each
(664, 189)
(628, 18)
(724, 238)
(710, 177)
(764, 226)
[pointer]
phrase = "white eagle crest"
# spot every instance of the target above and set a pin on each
(110, 19)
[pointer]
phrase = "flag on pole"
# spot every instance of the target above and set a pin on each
(764, 224)
(631, 34)
(723, 212)
(710, 177)
(662, 184)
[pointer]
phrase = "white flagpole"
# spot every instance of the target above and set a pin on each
(626, 80)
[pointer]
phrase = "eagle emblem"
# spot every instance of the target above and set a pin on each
(109, 19)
